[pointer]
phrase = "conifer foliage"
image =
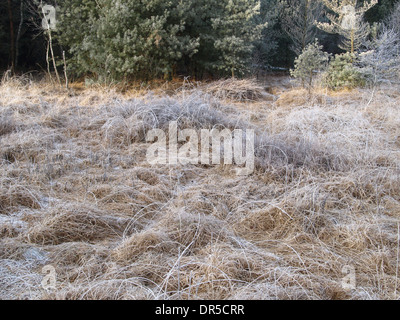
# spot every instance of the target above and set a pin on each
(107, 40)
(299, 19)
(347, 20)
(149, 38)
(119, 38)
(311, 61)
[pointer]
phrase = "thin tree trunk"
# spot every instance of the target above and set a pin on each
(21, 22)
(352, 40)
(65, 70)
(53, 57)
(48, 62)
(50, 46)
(12, 36)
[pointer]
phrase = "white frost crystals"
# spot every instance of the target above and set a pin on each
(183, 147)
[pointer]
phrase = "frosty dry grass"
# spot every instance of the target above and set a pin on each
(236, 90)
(71, 224)
(76, 192)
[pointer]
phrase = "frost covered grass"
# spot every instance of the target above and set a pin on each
(77, 193)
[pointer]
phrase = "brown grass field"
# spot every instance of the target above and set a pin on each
(77, 193)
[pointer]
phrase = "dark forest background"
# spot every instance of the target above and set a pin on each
(24, 44)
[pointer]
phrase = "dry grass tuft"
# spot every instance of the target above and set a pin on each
(296, 97)
(192, 231)
(237, 90)
(140, 243)
(14, 196)
(75, 223)
(7, 125)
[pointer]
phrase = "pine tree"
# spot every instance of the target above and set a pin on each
(119, 39)
(381, 11)
(299, 19)
(236, 31)
(266, 46)
(75, 22)
(150, 38)
(198, 16)
(312, 60)
(226, 31)
(343, 72)
(347, 20)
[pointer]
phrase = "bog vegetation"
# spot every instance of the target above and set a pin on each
(76, 190)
